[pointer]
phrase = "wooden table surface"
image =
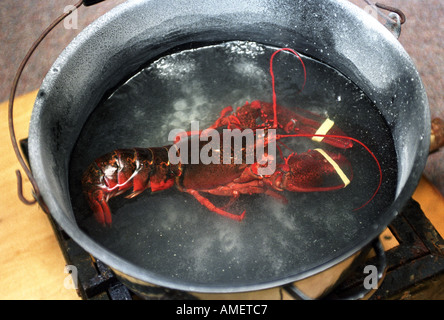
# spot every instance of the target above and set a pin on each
(31, 262)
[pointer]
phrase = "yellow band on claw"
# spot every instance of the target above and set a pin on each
(323, 129)
(338, 169)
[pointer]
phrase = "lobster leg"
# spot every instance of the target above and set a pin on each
(210, 206)
(243, 117)
(276, 195)
(98, 202)
(234, 190)
(233, 199)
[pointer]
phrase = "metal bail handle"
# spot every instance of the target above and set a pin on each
(36, 193)
(396, 19)
(393, 20)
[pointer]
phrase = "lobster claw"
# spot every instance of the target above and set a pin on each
(315, 170)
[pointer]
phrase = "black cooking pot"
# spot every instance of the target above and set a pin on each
(231, 256)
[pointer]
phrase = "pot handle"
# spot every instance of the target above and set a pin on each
(361, 292)
(36, 193)
(437, 135)
(393, 20)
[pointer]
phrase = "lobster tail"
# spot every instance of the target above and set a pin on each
(122, 170)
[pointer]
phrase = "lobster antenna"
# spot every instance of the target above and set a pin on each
(273, 80)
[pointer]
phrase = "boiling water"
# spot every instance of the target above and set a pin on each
(170, 233)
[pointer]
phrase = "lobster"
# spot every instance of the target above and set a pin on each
(139, 169)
